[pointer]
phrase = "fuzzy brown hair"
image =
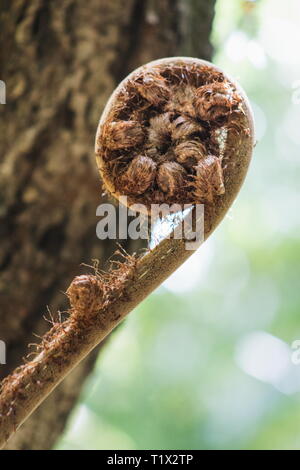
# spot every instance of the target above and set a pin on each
(159, 141)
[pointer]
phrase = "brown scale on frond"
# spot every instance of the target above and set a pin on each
(138, 176)
(181, 101)
(167, 142)
(171, 178)
(190, 152)
(215, 101)
(209, 180)
(86, 292)
(184, 126)
(159, 132)
(123, 134)
(153, 87)
(235, 123)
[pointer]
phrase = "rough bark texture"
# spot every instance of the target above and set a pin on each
(60, 61)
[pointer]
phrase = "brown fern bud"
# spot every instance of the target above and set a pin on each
(188, 153)
(215, 100)
(153, 87)
(182, 99)
(209, 181)
(184, 126)
(170, 178)
(139, 175)
(159, 133)
(123, 134)
(86, 295)
(152, 139)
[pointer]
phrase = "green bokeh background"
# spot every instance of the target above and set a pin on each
(206, 361)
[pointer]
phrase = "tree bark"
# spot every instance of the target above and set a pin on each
(60, 62)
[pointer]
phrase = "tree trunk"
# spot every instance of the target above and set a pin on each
(60, 61)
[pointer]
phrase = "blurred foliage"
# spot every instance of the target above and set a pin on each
(205, 362)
